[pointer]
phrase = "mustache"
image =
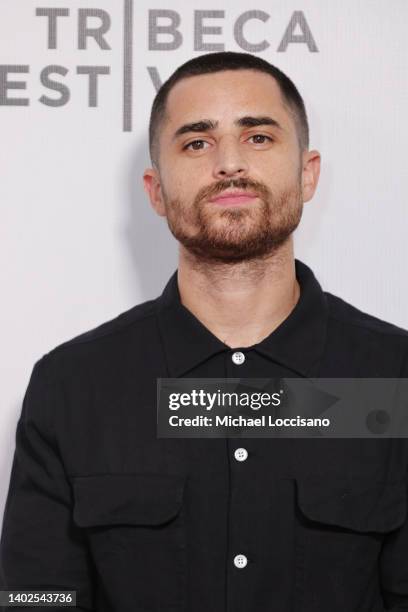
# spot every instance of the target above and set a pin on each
(240, 183)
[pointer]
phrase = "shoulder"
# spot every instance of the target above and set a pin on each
(109, 343)
(371, 344)
(345, 314)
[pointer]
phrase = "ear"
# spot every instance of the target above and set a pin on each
(310, 173)
(152, 186)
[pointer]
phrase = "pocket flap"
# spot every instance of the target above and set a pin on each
(114, 499)
(354, 504)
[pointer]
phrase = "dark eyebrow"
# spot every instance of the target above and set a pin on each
(206, 125)
(249, 121)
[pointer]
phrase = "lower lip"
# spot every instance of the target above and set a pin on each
(230, 201)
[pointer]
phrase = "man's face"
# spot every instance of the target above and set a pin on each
(198, 163)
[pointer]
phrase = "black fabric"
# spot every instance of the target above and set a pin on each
(98, 504)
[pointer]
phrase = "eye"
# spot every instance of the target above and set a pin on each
(193, 142)
(261, 136)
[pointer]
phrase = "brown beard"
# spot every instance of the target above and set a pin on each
(249, 232)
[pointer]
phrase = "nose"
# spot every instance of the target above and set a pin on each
(229, 160)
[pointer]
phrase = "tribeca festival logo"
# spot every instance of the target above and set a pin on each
(91, 26)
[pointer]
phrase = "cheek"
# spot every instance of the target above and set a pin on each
(169, 191)
(187, 190)
(274, 167)
(287, 176)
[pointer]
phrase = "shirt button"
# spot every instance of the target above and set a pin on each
(240, 561)
(241, 454)
(238, 357)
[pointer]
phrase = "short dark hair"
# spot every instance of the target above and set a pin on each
(217, 62)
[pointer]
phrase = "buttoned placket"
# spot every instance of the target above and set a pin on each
(240, 558)
(253, 476)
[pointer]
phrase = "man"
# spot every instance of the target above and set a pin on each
(99, 504)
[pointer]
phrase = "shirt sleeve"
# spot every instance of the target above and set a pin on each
(394, 568)
(394, 552)
(40, 546)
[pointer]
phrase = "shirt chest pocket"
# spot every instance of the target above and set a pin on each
(135, 527)
(341, 525)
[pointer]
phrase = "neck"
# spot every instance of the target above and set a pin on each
(240, 303)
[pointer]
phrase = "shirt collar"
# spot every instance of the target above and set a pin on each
(297, 343)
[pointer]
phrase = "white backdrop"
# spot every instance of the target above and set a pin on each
(79, 241)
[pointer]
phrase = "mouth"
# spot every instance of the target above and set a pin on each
(231, 198)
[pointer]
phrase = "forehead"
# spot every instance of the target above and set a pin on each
(223, 95)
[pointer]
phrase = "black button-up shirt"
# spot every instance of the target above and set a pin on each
(99, 504)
